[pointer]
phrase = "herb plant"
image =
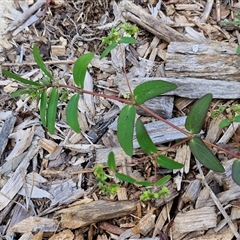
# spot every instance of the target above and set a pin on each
(47, 91)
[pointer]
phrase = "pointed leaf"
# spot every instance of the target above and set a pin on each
(163, 180)
(236, 118)
(143, 138)
(236, 171)
(52, 110)
(72, 113)
(128, 40)
(150, 89)
(125, 178)
(168, 162)
(40, 63)
(108, 50)
(43, 108)
(144, 183)
(80, 68)
(204, 155)
(125, 128)
(224, 123)
(20, 92)
(111, 162)
(196, 117)
(20, 79)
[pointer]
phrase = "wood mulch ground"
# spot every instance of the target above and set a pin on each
(48, 190)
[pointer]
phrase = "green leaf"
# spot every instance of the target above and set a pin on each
(20, 79)
(236, 118)
(238, 49)
(224, 123)
(236, 171)
(143, 138)
(144, 183)
(168, 162)
(72, 113)
(125, 178)
(20, 92)
(163, 180)
(111, 162)
(150, 89)
(43, 108)
(204, 155)
(108, 50)
(80, 68)
(196, 117)
(40, 63)
(52, 110)
(128, 40)
(125, 128)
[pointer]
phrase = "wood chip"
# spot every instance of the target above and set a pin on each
(35, 224)
(195, 220)
(83, 215)
(202, 60)
(64, 235)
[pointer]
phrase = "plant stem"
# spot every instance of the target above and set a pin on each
(126, 101)
(222, 149)
(80, 90)
(189, 135)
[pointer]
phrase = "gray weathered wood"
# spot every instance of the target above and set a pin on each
(5, 132)
(83, 215)
(194, 220)
(214, 60)
(154, 25)
(193, 87)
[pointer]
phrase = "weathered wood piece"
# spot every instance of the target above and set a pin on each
(225, 233)
(145, 225)
(213, 60)
(191, 194)
(192, 87)
(23, 139)
(14, 184)
(83, 215)
(214, 131)
(5, 131)
(66, 234)
(229, 133)
(153, 25)
(235, 213)
(194, 220)
(35, 224)
(183, 155)
(162, 218)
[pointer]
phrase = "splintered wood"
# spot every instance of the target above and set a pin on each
(211, 60)
(83, 215)
(194, 220)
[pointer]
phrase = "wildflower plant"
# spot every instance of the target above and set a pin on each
(47, 91)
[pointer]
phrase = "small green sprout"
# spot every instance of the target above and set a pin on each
(148, 195)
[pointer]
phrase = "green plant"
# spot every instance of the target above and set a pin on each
(102, 177)
(110, 189)
(47, 90)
